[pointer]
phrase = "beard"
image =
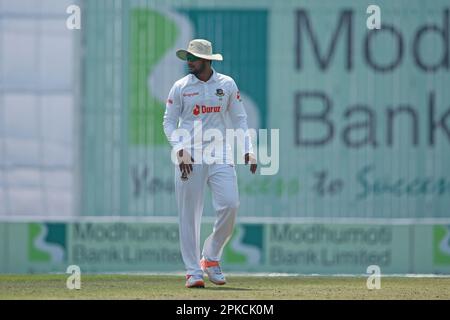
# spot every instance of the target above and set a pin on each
(199, 70)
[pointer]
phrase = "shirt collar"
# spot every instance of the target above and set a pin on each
(213, 78)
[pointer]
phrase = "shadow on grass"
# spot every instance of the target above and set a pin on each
(226, 289)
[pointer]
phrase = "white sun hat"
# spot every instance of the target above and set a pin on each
(200, 48)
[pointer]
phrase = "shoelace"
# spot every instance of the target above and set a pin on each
(217, 270)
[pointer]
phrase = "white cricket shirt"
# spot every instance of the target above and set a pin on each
(213, 104)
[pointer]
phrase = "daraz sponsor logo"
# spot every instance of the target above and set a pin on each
(205, 109)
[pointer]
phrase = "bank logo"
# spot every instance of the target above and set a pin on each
(154, 51)
(441, 245)
(245, 246)
(47, 242)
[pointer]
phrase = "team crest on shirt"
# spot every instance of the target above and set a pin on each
(219, 93)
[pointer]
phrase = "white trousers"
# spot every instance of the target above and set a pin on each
(222, 181)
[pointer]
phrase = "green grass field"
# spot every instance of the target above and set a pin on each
(238, 287)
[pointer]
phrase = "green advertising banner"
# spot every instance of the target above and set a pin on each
(363, 115)
(273, 248)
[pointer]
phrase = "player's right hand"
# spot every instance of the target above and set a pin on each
(185, 161)
(250, 158)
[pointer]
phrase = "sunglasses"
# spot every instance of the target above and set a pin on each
(191, 58)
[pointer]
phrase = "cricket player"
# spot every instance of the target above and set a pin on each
(205, 98)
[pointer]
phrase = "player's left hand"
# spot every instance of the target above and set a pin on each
(250, 158)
